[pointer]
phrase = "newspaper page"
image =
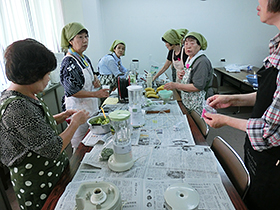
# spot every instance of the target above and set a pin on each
(155, 169)
(166, 129)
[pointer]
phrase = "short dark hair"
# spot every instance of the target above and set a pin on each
(163, 39)
(28, 61)
(193, 37)
(273, 6)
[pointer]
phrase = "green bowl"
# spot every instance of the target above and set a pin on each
(165, 94)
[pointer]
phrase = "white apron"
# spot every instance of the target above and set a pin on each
(178, 64)
(89, 104)
(192, 100)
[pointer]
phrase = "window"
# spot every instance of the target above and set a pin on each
(20, 19)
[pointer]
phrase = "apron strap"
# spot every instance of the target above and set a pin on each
(5, 103)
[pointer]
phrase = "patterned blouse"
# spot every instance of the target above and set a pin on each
(71, 75)
(24, 128)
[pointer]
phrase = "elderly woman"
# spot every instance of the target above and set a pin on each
(176, 55)
(30, 144)
(261, 149)
(197, 76)
(110, 66)
(77, 77)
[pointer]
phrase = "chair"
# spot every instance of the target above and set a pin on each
(232, 164)
(203, 127)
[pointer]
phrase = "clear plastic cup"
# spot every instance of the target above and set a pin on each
(106, 87)
(208, 109)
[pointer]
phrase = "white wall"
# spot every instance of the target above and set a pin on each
(232, 28)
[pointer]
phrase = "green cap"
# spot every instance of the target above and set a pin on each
(119, 115)
(182, 32)
(115, 43)
(172, 37)
(200, 38)
(69, 32)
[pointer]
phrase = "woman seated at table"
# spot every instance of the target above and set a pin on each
(197, 76)
(176, 55)
(81, 86)
(110, 66)
(30, 144)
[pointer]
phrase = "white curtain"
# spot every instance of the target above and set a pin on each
(38, 19)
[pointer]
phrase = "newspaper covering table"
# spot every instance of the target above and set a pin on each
(159, 162)
(159, 129)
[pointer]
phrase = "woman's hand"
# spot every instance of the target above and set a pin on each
(61, 117)
(80, 117)
(215, 120)
(69, 113)
(170, 86)
(219, 101)
(219, 120)
(180, 74)
(102, 93)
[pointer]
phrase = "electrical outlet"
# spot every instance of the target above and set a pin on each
(223, 60)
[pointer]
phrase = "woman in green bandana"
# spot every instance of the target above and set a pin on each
(30, 144)
(81, 85)
(176, 55)
(196, 77)
(110, 66)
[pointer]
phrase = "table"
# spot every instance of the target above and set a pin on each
(237, 79)
(80, 152)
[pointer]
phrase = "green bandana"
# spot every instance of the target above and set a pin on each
(115, 43)
(182, 32)
(69, 32)
(172, 37)
(200, 38)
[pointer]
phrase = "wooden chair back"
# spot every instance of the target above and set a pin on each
(202, 125)
(232, 164)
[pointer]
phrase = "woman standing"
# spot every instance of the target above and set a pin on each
(262, 151)
(30, 144)
(197, 76)
(110, 66)
(176, 54)
(81, 86)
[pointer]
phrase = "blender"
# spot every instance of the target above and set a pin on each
(121, 160)
(135, 94)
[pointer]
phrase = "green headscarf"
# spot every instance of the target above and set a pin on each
(172, 37)
(182, 32)
(115, 43)
(69, 32)
(200, 38)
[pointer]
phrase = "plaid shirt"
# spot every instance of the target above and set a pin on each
(264, 133)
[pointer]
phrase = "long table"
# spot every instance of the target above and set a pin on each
(237, 79)
(77, 157)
